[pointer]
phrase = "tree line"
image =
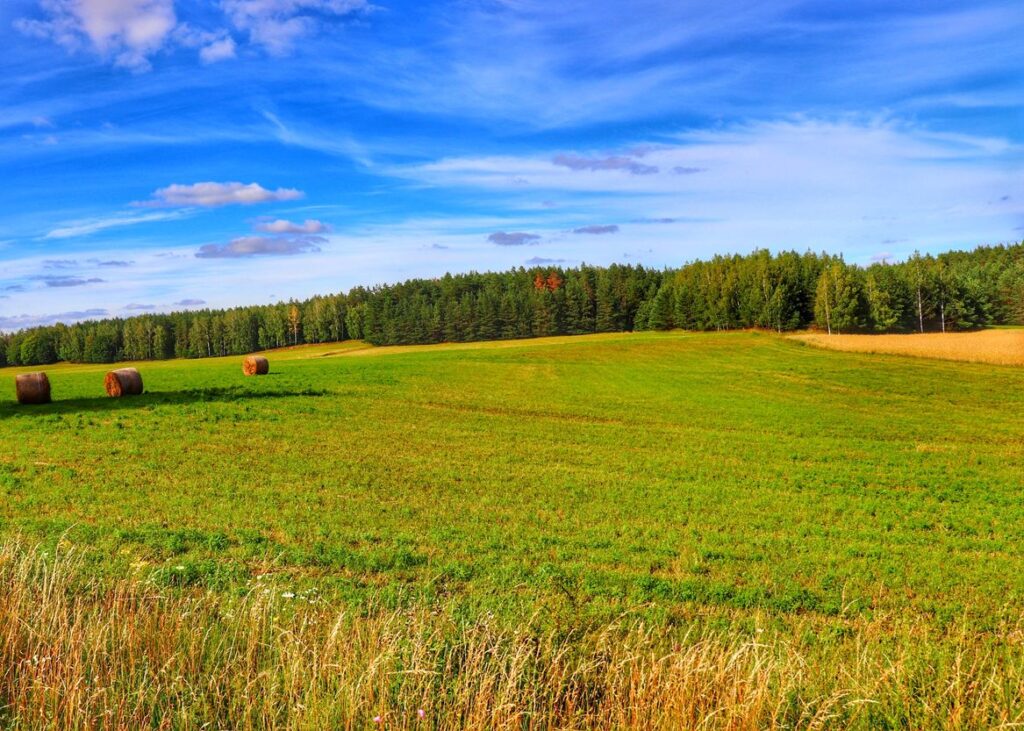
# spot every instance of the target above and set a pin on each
(957, 290)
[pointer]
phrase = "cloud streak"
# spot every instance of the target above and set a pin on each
(516, 238)
(281, 226)
(61, 282)
(214, 195)
(251, 246)
(85, 227)
(597, 230)
(616, 162)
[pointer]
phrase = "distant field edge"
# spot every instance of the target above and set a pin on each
(1003, 346)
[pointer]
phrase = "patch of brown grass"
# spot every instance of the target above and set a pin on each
(1000, 347)
(85, 654)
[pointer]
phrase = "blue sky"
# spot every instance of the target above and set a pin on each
(162, 154)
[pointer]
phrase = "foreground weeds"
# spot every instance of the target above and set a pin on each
(79, 653)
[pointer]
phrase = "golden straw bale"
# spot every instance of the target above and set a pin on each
(123, 382)
(255, 365)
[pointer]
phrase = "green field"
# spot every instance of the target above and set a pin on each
(739, 483)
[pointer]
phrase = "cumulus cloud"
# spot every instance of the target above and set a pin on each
(281, 226)
(610, 229)
(615, 162)
(127, 32)
(55, 281)
(18, 322)
(277, 25)
(210, 195)
(189, 303)
(248, 246)
(137, 306)
(517, 238)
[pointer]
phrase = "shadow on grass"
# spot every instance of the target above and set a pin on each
(152, 399)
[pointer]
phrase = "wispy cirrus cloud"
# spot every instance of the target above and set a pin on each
(250, 246)
(87, 226)
(515, 238)
(213, 195)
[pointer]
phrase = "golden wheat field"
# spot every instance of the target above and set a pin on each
(1000, 347)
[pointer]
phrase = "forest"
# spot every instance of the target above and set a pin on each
(958, 290)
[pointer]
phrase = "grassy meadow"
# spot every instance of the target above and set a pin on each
(649, 530)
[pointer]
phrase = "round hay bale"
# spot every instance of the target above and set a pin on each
(32, 388)
(123, 382)
(255, 365)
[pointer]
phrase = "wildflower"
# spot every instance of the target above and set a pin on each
(421, 713)
(377, 719)
(288, 595)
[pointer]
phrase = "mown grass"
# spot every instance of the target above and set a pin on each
(851, 516)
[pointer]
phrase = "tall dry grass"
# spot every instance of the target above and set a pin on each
(78, 653)
(1001, 347)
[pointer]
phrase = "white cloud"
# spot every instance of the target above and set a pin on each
(218, 51)
(127, 32)
(277, 25)
(210, 194)
(281, 226)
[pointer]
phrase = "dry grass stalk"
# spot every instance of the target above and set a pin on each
(82, 654)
